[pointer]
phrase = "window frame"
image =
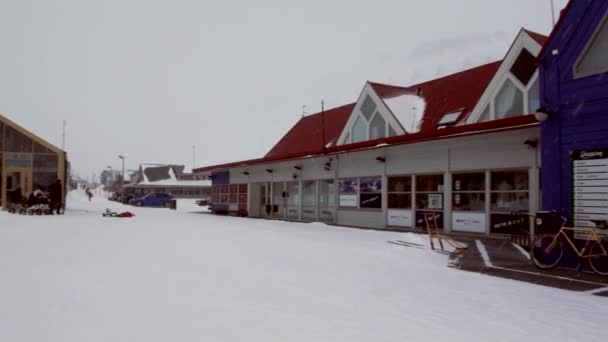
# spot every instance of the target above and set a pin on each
(577, 75)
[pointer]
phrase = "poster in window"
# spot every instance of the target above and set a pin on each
(348, 201)
(348, 186)
(373, 201)
(371, 184)
(435, 201)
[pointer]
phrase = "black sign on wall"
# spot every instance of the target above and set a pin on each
(373, 201)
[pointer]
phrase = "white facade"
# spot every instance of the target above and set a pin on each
(295, 186)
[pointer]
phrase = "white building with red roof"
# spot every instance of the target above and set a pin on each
(462, 148)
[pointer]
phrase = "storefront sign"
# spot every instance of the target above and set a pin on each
(18, 160)
(469, 222)
(400, 218)
(590, 174)
(349, 201)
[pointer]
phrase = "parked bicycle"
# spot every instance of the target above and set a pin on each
(548, 249)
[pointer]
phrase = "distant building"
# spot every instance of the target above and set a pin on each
(170, 179)
(28, 162)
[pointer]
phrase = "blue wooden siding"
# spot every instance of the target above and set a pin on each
(580, 105)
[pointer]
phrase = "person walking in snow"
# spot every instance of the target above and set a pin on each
(89, 194)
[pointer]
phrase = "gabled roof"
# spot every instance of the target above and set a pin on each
(306, 137)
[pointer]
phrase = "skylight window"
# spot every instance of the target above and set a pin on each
(449, 118)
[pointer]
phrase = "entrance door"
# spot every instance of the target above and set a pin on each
(264, 200)
(13, 179)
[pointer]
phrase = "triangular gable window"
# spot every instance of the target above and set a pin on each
(514, 89)
(370, 119)
(594, 59)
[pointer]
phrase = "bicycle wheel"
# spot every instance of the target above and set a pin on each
(544, 257)
(599, 262)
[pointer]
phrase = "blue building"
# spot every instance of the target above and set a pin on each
(574, 95)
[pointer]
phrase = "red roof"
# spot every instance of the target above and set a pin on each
(306, 137)
(461, 90)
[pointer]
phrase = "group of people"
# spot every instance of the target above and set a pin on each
(38, 197)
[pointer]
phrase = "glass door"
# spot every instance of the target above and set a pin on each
(278, 200)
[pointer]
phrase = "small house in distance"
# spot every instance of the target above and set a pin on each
(172, 179)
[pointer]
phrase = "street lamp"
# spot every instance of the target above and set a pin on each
(122, 181)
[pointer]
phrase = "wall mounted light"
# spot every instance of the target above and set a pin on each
(532, 143)
(297, 167)
(246, 173)
(381, 159)
(542, 114)
(269, 170)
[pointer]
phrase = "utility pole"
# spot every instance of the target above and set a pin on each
(193, 157)
(63, 135)
(323, 125)
(552, 12)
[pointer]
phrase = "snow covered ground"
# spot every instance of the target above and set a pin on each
(186, 276)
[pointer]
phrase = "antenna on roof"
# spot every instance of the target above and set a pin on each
(303, 110)
(323, 126)
(552, 12)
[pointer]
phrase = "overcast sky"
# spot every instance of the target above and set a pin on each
(149, 79)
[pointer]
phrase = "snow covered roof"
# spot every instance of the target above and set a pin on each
(408, 109)
(167, 175)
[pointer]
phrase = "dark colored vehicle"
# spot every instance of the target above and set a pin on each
(152, 200)
(203, 202)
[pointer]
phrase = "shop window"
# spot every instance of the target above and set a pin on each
(370, 192)
(368, 107)
(377, 128)
(309, 194)
(327, 200)
(348, 192)
(594, 59)
(293, 194)
(45, 168)
(469, 192)
(14, 141)
(400, 192)
(359, 132)
(429, 192)
(533, 98)
(509, 101)
(509, 191)
(38, 148)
